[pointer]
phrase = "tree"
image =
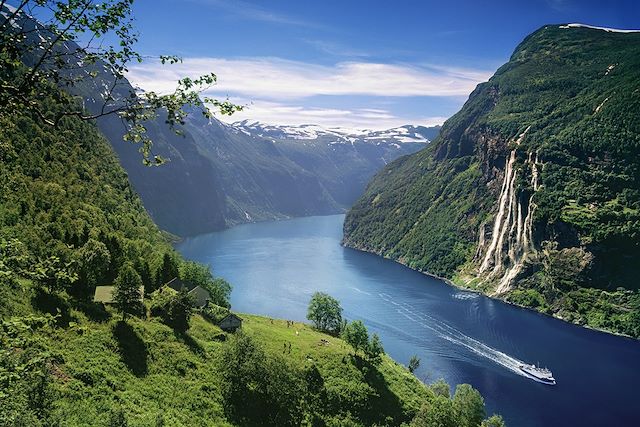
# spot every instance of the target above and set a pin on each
(27, 394)
(356, 335)
(414, 362)
(174, 308)
(493, 421)
(126, 293)
(438, 412)
(374, 349)
(469, 405)
(325, 312)
(168, 270)
(41, 59)
(441, 388)
(200, 275)
(259, 388)
(94, 259)
(54, 274)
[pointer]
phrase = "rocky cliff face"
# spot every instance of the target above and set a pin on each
(532, 191)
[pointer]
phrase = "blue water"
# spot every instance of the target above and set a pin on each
(460, 336)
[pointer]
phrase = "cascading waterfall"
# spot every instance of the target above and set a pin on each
(512, 235)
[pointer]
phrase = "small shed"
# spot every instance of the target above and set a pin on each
(230, 323)
(104, 294)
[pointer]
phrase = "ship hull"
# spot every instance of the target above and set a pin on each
(546, 381)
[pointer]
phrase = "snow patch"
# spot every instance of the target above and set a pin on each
(610, 30)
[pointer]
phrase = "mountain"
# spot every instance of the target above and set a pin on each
(221, 175)
(252, 172)
(531, 193)
(399, 135)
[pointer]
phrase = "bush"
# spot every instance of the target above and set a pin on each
(174, 308)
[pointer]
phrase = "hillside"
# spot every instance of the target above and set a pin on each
(531, 193)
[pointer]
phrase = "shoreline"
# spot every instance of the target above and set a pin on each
(451, 283)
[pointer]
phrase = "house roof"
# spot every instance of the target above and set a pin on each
(200, 295)
(230, 316)
(104, 294)
(177, 284)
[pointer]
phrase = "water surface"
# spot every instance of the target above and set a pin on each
(460, 336)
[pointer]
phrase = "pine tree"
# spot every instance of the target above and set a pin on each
(126, 293)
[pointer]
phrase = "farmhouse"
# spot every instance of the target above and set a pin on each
(199, 295)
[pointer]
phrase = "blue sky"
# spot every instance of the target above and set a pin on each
(365, 64)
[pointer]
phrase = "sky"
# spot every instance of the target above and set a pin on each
(354, 64)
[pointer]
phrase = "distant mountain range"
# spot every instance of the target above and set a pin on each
(220, 175)
(531, 192)
(399, 135)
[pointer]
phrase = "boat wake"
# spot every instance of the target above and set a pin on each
(465, 295)
(453, 335)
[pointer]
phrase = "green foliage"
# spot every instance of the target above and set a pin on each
(200, 275)
(441, 388)
(438, 412)
(466, 409)
(493, 421)
(64, 199)
(26, 394)
(356, 335)
(259, 389)
(469, 406)
(174, 308)
(54, 62)
(126, 292)
(414, 363)
(168, 270)
(94, 260)
(374, 349)
(54, 274)
(325, 312)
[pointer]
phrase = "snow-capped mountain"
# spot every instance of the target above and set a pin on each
(310, 132)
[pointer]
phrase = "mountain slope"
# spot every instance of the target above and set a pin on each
(532, 191)
(221, 175)
(218, 175)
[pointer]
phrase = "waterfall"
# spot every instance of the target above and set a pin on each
(512, 233)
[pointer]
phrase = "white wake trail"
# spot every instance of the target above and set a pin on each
(453, 335)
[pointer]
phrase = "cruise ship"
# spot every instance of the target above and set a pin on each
(542, 375)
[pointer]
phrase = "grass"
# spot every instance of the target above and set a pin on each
(157, 376)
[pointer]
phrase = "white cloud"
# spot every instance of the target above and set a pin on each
(280, 113)
(278, 79)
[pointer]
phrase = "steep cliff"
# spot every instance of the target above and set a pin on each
(532, 191)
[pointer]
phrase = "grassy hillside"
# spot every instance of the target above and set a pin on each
(532, 191)
(101, 367)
